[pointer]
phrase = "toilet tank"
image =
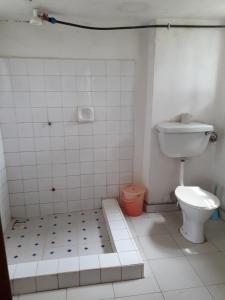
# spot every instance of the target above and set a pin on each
(180, 140)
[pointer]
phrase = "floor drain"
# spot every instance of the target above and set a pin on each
(22, 236)
(34, 254)
(53, 232)
(69, 241)
(19, 246)
(36, 244)
(84, 229)
(52, 242)
(52, 252)
(85, 248)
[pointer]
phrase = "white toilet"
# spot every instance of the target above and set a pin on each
(181, 140)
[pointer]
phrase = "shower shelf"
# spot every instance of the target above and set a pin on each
(124, 263)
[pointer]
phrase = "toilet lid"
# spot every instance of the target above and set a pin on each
(195, 196)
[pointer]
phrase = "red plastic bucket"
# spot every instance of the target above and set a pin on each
(132, 199)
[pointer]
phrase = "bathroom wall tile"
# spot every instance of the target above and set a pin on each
(35, 67)
(34, 92)
(98, 67)
(18, 66)
(127, 68)
(113, 67)
(67, 67)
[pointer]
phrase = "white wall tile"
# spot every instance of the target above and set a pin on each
(20, 83)
(6, 99)
(51, 67)
(113, 67)
(128, 68)
(4, 197)
(36, 83)
(53, 83)
(68, 83)
(35, 67)
(98, 83)
(83, 67)
(67, 67)
(32, 198)
(21, 99)
(97, 156)
(98, 67)
(53, 99)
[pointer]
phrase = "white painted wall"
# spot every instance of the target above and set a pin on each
(54, 41)
(219, 120)
(143, 114)
(185, 80)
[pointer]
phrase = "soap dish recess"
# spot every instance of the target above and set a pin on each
(85, 114)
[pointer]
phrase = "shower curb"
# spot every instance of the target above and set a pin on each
(124, 263)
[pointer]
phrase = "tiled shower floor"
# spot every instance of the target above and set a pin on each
(57, 236)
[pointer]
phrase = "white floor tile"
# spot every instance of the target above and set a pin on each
(155, 296)
(173, 221)
(215, 225)
(135, 287)
(217, 238)
(200, 293)
(159, 246)
(209, 267)
(174, 273)
(217, 291)
(95, 292)
(189, 248)
(147, 226)
(56, 295)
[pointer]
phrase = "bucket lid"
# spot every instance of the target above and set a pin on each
(134, 188)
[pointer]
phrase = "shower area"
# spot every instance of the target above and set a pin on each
(66, 148)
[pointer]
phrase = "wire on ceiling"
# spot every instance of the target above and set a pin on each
(53, 20)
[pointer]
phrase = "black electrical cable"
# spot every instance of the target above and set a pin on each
(168, 26)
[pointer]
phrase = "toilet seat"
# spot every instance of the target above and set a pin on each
(196, 197)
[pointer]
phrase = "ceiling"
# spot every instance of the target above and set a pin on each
(111, 12)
